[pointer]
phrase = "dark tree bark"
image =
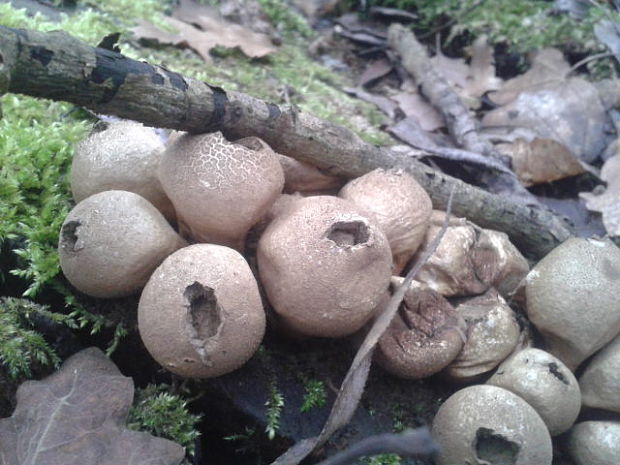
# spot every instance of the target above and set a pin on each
(56, 66)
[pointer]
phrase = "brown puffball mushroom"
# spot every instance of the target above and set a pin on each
(545, 383)
(200, 315)
(595, 443)
(469, 260)
(492, 335)
(220, 189)
(424, 336)
(306, 178)
(572, 298)
(600, 382)
(324, 266)
(399, 205)
(121, 155)
(111, 242)
(490, 425)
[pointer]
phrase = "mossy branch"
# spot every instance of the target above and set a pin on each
(57, 66)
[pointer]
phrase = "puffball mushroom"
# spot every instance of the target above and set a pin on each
(545, 383)
(324, 266)
(490, 425)
(492, 335)
(572, 298)
(600, 382)
(200, 315)
(469, 260)
(220, 189)
(399, 205)
(121, 155)
(595, 443)
(424, 336)
(111, 242)
(306, 178)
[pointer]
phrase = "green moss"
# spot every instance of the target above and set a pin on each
(285, 18)
(382, 459)
(22, 349)
(315, 395)
(158, 411)
(274, 405)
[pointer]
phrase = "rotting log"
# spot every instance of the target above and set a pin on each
(57, 66)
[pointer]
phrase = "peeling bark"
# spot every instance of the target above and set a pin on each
(56, 66)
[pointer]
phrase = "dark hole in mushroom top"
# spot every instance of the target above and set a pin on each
(69, 235)
(204, 311)
(348, 233)
(554, 369)
(495, 449)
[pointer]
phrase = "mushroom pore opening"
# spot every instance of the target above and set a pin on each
(348, 233)
(495, 449)
(205, 314)
(69, 236)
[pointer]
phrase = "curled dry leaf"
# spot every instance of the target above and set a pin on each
(76, 416)
(541, 160)
(201, 28)
(608, 203)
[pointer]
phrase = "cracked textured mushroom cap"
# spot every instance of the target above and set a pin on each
(399, 205)
(469, 260)
(572, 298)
(200, 315)
(595, 443)
(490, 425)
(220, 189)
(324, 266)
(122, 155)
(111, 242)
(600, 382)
(545, 383)
(492, 335)
(425, 335)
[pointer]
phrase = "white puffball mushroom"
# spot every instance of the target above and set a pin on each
(572, 298)
(220, 189)
(111, 242)
(595, 443)
(489, 425)
(121, 155)
(545, 383)
(200, 315)
(307, 178)
(324, 266)
(600, 382)
(399, 205)
(492, 335)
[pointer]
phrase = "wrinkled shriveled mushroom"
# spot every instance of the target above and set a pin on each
(595, 443)
(121, 155)
(600, 382)
(400, 206)
(492, 335)
(545, 383)
(469, 260)
(200, 315)
(490, 425)
(111, 242)
(572, 298)
(424, 336)
(324, 266)
(220, 189)
(306, 178)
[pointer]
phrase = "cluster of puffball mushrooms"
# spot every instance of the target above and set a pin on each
(170, 220)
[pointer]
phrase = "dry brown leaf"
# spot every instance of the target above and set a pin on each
(567, 111)
(548, 66)
(608, 203)
(541, 160)
(414, 105)
(375, 70)
(481, 77)
(212, 31)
